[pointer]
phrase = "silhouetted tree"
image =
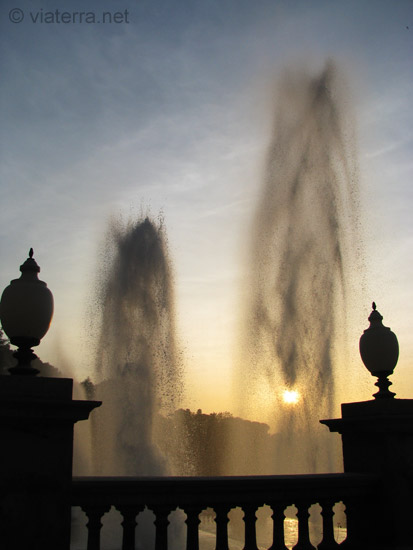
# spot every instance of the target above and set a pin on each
(202, 444)
(6, 354)
(89, 387)
(7, 360)
(46, 369)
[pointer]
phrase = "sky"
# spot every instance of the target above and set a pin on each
(168, 111)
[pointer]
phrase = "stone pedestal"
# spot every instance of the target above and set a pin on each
(36, 436)
(377, 438)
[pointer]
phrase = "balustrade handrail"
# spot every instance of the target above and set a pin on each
(176, 491)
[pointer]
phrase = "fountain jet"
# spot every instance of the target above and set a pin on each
(137, 363)
(303, 245)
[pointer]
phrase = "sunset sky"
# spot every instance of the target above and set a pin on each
(169, 111)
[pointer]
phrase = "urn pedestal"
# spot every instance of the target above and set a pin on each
(37, 416)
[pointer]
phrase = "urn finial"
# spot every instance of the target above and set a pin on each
(26, 310)
(379, 350)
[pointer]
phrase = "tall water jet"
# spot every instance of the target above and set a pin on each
(137, 366)
(303, 245)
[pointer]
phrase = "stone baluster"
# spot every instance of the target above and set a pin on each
(161, 524)
(327, 513)
(94, 525)
(250, 532)
(303, 531)
(129, 524)
(192, 521)
(356, 529)
(278, 517)
(221, 519)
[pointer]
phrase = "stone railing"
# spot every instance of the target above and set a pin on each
(130, 496)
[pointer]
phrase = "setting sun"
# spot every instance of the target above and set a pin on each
(291, 397)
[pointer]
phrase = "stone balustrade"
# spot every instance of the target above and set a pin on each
(130, 496)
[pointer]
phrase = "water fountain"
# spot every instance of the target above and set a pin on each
(136, 365)
(302, 247)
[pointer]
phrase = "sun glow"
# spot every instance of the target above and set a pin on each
(291, 397)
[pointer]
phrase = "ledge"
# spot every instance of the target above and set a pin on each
(375, 416)
(32, 399)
